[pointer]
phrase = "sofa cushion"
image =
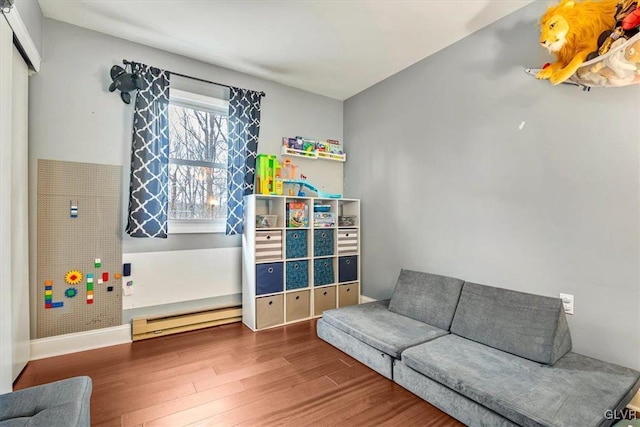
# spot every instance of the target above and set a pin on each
(426, 297)
(576, 391)
(375, 325)
(527, 325)
(60, 403)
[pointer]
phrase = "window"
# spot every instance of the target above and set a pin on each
(197, 163)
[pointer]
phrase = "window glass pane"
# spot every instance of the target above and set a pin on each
(197, 193)
(197, 134)
(197, 189)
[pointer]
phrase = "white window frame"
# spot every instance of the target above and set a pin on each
(201, 102)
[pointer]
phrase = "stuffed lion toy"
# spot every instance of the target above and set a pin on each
(570, 30)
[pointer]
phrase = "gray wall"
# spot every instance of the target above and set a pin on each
(451, 185)
(32, 17)
(73, 117)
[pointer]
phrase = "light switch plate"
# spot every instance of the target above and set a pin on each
(567, 302)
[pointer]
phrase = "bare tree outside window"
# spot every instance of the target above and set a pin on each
(197, 163)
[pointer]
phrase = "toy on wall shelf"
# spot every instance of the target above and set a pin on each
(595, 43)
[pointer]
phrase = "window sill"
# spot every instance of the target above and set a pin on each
(195, 227)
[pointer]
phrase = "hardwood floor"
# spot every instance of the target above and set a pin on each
(228, 375)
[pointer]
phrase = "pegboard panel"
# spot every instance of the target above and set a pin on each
(79, 223)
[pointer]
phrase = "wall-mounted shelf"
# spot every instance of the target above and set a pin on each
(286, 151)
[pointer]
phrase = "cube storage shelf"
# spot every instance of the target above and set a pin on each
(290, 274)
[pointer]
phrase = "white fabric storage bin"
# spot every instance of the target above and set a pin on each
(348, 241)
(268, 245)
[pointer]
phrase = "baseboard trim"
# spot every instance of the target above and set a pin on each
(79, 341)
(364, 299)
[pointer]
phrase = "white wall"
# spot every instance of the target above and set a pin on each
(177, 276)
(75, 118)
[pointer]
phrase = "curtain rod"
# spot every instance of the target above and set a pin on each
(195, 78)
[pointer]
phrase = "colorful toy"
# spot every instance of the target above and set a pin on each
(311, 187)
(73, 277)
(632, 20)
(288, 169)
(297, 214)
(48, 296)
(570, 30)
(618, 67)
(632, 53)
(267, 175)
(89, 288)
(624, 28)
(308, 145)
(71, 292)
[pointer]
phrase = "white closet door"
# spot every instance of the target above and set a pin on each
(20, 216)
(6, 334)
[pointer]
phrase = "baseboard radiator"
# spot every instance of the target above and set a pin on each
(157, 326)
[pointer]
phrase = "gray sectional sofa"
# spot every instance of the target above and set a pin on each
(487, 356)
(62, 403)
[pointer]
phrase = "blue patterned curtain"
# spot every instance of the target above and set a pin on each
(148, 188)
(244, 128)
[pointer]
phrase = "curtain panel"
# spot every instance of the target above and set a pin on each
(244, 129)
(149, 181)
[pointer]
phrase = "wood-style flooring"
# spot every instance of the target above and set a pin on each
(229, 375)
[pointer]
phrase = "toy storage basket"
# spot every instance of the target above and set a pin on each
(618, 67)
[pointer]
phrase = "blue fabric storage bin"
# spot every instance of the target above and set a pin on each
(347, 268)
(297, 244)
(269, 278)
(322, 242)
(297, 274)
(323, 271)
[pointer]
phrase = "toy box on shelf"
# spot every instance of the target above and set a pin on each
(322, 216)
(297, 214)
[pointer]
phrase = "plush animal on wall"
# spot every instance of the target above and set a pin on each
(124, 82)
(632, 53)
(624, 27)
(570, 30)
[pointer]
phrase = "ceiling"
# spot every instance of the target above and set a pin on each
(335, 48)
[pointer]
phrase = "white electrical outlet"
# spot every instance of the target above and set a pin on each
(567, 302)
